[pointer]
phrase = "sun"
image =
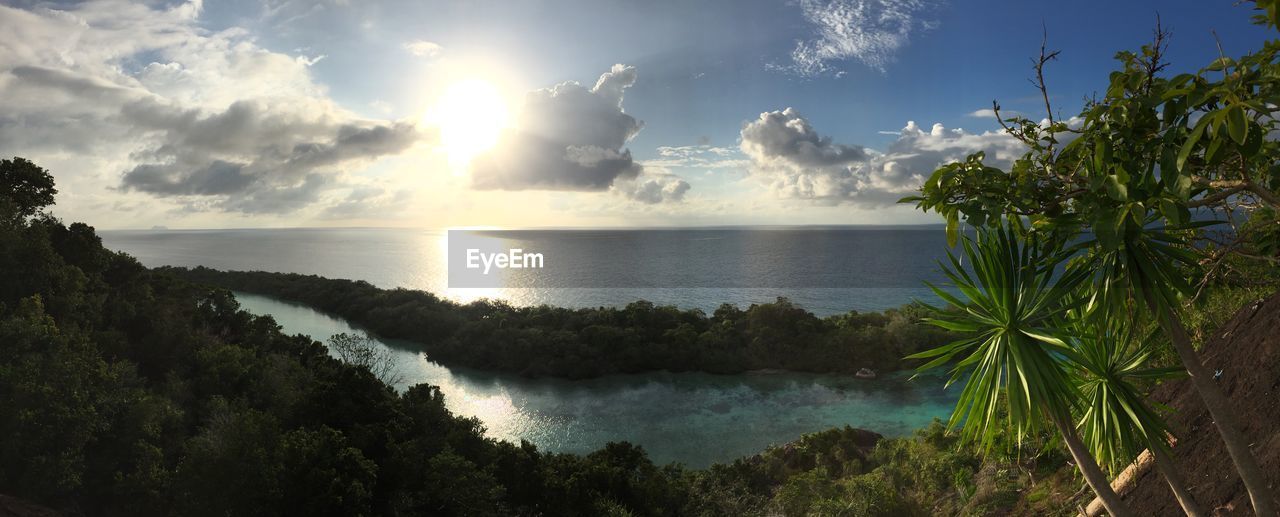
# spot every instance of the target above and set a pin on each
(470, 115)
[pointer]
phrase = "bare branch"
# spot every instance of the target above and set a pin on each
(1159, 43)
(1221, 55)
(1045, 57)
(995, 108)
(362, 351)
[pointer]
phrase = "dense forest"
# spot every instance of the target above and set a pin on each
(577, 343)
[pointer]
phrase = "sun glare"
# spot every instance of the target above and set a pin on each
(471, 115)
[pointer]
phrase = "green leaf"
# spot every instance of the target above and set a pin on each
(958, 326)
(1237, 124)
(1116, 189)
(1194, 137)
(1221, 63)
(1101, 155)
(953, 228)
(1211, 155)
(1104, 227)
(1174, 212)
(1040, 336)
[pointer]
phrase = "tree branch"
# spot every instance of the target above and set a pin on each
(1158, 45)
(995, 108)
(1261, 192)
(1214, 198)
(1045, 57)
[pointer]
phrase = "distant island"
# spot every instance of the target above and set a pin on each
(545, 341)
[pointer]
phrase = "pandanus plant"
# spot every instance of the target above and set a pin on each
(1015, 354)
(1143, 264)
(1110, 362)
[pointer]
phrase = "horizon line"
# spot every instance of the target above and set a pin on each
(161, 228)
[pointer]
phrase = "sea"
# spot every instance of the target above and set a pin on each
(694, 419)
(827, 270)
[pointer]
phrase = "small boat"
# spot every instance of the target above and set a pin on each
(865, 373)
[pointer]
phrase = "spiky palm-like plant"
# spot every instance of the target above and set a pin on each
(1115, 421)
(1010, 306)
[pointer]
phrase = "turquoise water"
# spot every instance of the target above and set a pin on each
(692, 418)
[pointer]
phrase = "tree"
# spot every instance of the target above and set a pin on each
(25, 188)
(53, 387)
(323, 475)
(1140, 159)
(1012, 355)
(362, 351)
(232, 467)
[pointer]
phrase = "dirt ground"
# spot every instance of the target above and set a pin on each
(1247, 352)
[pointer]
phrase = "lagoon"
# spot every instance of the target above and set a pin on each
(692, 418)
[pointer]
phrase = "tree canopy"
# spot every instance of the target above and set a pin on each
(26, 187)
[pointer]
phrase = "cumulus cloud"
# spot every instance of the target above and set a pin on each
(423, 48)
(568, 137)
(916, 153)
(787, 136)
(246, 148)
(206, 119)
(795, 161)
(653, 188)
(871, 31)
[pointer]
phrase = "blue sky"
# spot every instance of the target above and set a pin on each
(696, 131)
(703, 65)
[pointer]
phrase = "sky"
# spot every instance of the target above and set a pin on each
(545, 113)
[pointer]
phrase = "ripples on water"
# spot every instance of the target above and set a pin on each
(693, 418)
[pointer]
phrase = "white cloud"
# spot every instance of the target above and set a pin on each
(795, 161)
(991, 113)
(871, 31)
(202, 120)
(423, 48)
(699, 157)
(568, 137)
(652, 187)
(916, 153)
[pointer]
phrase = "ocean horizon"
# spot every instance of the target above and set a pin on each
(827, 269)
